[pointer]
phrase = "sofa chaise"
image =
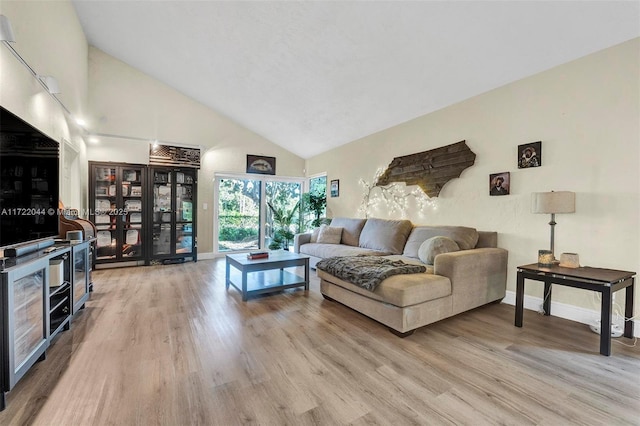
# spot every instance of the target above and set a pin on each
(464, 269)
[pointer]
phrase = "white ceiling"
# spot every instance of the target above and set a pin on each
(310, 76)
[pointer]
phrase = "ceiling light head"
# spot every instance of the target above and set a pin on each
(6, 32)
(80, 122)
(155, 144)
(51, 83)
(93, 139)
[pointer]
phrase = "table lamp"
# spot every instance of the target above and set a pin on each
(552, 203)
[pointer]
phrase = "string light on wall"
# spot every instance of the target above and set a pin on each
(394, 197)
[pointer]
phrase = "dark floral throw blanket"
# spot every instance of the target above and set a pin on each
(366, 271)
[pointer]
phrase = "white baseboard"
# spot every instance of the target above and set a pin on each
(206, 256)
(563, 310)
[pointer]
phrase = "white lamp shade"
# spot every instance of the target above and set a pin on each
(6, 32)
(553, 202)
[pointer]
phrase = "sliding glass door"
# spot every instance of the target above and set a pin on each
(256, 213)
(238, 225)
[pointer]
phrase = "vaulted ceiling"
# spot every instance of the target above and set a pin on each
(310, 76)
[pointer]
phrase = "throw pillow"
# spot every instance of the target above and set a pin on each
(385, 235)
(435, 246)
(329, 235)
(314, 235)
(351, 229)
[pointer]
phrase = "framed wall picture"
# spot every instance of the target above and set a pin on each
(335, 188)
(499, 183)
(261, 164)
(530, 155)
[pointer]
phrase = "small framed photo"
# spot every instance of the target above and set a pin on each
(261, 165)
(530, 155)
(335, 188)
(499, 183)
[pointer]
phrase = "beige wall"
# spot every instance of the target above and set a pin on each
(587, 115)
(50, 39)
(115, 99)
(126, 102)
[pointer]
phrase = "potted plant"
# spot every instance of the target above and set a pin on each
(315, 203)
(283, 219)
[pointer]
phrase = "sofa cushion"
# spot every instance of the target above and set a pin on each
(385, 235)
(351, 229)
(434, 246)
(466, 238)
(328, 250)
(400, 290)
(329, 235)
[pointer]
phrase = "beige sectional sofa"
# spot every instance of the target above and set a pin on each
(459, 279)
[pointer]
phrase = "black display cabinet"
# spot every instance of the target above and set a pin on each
(118, 210)
(172, 214)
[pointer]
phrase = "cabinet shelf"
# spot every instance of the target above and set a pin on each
(60, 303)
(55, 290)
(57, 324)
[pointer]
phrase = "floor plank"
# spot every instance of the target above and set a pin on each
(168, 345)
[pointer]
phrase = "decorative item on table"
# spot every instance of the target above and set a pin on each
(499, 183)
(545, 258)
(551, 203)
(569, 260)
(530, 155)
(263, 254)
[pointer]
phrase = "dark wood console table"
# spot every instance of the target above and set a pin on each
(604, 281)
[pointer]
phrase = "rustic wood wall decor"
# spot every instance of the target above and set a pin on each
(430, 170)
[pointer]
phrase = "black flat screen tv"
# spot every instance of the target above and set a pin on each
(29, 182)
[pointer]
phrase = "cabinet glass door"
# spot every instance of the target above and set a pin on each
(80, 268)
(162, 196)
(118, 202)
(184, 212)
(131, 235)
(173, 218)
(104, 210)
(28, 316)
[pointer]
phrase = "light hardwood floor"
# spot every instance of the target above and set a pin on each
(168, 345)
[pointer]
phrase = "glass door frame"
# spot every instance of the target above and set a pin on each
(304, 185)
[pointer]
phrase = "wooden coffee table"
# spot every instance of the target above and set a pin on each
(268, 275)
